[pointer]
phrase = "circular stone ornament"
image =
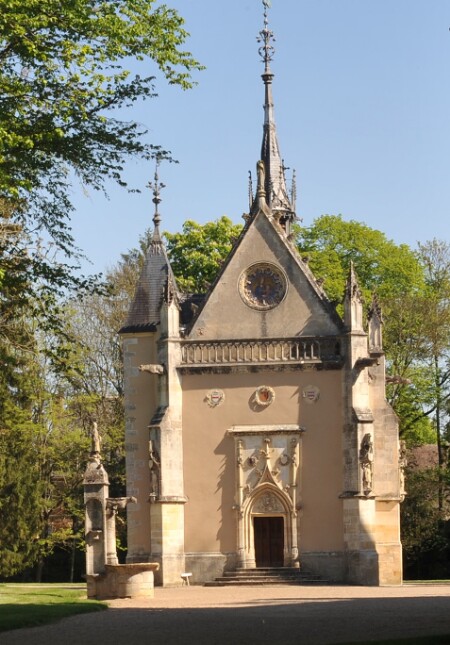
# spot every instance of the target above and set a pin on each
(264, 395)
(262, 286)
(215, 398)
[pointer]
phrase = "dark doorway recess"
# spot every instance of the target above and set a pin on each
(269, 541)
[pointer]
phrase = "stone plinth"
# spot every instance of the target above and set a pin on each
(123, 581)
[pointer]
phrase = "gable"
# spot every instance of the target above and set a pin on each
(295, 304)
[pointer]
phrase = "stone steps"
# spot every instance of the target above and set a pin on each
(265, 576)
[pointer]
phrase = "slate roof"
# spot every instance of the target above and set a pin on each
(144, 314)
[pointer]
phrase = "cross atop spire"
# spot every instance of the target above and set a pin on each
(156, 187)
(266, 37)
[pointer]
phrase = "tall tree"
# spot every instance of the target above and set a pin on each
(64, 69)
(63, 72)
(382, 266)
(197, 253)
(435, 256)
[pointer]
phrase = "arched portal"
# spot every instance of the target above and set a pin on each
(269, 529)
(268, 494)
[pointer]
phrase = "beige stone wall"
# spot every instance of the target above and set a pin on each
(140, 402)
(209, 454)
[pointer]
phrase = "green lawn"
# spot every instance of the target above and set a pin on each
(28, 605)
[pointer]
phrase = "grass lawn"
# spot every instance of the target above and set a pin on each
(28, 605)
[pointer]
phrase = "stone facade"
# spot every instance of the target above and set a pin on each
(257, 429)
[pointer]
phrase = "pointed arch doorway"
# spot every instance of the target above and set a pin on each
(268, 535)
(268, 528)
(268, 487)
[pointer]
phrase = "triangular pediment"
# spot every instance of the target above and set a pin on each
(265, 290)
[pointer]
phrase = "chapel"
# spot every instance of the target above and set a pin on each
(258, 435)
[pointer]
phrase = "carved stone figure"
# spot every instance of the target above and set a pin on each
(152, 369)
(115, 504)
(96, 440)
(154, 466)
(366, 461)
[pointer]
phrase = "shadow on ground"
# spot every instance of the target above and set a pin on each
(308, 621)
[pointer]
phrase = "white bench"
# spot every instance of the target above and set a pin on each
(185, 577)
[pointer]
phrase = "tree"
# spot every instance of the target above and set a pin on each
(382, 266)
(56, 386)
(197, 253)
(435, 256)
(62, 73)
(425, 537)
(21, 492)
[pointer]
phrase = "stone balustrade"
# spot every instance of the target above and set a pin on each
(274, 351)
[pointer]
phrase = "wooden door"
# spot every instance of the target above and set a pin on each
(269, 541)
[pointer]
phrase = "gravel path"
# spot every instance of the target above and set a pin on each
(249, 615)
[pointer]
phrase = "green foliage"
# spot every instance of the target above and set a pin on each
(63, 71)
(197, 253)
(425, 536)
(21, 491)
(47, 411)
(331, 243)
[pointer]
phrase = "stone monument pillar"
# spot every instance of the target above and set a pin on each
(106, 578)
(96, 493)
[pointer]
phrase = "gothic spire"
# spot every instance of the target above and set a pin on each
(275, 179)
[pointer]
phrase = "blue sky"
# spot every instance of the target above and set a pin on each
(362, 106)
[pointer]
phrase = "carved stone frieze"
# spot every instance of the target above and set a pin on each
(268, 503)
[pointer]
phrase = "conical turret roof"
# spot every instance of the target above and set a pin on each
(156, 275)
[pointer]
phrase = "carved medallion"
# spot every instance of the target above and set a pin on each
(264, 395)
(214, 398)
(311, 393)
(262, 286)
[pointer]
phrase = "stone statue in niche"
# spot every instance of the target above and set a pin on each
(366, 461)
(153, 464)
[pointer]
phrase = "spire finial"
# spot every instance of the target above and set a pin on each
(266, 38)
(156, 187)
